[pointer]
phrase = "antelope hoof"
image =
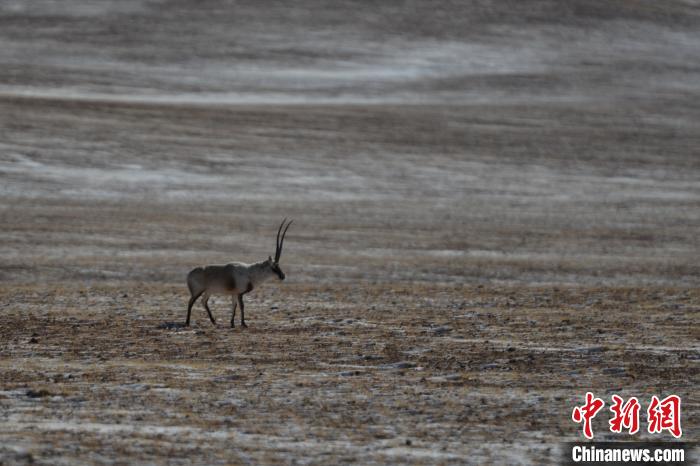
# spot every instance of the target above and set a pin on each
(244, 325)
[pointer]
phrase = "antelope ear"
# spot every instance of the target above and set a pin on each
(269, 258)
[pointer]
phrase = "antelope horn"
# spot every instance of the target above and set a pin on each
(277, 244)
(281, 241)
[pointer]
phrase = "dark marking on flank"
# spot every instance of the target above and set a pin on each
(231, 282)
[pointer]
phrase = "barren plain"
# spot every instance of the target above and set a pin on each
(496, 204)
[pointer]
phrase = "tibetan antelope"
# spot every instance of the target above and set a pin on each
(235, 279)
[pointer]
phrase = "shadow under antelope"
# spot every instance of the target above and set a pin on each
(234, 279)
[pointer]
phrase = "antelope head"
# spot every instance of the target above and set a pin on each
(275, 264)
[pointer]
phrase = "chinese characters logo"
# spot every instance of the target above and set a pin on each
(661, 415)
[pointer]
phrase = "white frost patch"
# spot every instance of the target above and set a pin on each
(419, 453)
(178, 432)
(99, 428)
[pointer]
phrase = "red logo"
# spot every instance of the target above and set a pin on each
(626, 415)
(587, 412)
(661, 415)
(665, 415)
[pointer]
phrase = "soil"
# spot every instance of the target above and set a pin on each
(496, 209)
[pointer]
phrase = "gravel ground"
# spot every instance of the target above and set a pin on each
(496, 204)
